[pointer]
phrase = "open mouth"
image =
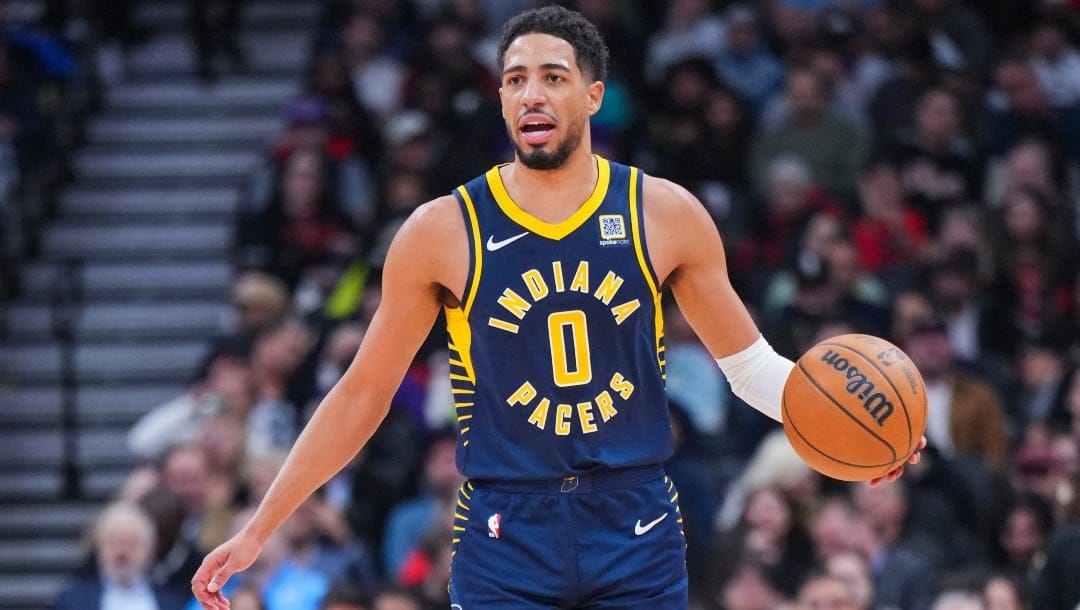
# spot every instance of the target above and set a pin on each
(537, 132)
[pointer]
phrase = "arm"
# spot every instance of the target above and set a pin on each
(413, 281)
(688, 255)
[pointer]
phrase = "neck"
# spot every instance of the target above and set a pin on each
(552, 194)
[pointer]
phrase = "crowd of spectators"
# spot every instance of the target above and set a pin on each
(904, 168)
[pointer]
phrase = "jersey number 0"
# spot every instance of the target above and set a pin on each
(569, 327)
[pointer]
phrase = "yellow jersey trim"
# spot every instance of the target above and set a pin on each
(549, 230)
(646, 270)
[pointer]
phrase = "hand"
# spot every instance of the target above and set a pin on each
(899, 470)
(234, 555)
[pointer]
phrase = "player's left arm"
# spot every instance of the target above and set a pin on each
(687, 253)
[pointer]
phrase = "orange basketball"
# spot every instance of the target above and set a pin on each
(854, 407)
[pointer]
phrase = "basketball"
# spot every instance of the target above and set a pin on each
(854, 407)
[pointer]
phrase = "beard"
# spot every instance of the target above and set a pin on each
(541, 159)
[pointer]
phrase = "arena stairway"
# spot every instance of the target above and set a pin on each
(131, 281)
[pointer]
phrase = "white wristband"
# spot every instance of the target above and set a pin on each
(757, 375)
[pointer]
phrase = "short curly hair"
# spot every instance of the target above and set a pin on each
(590, 52)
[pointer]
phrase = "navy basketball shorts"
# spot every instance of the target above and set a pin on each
(608, 540)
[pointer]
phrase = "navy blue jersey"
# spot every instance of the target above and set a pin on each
(556, 351)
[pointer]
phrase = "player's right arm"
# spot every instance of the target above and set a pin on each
(415, 277)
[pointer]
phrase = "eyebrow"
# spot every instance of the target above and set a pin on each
(547, 66)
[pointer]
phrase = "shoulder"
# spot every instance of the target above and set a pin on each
(437, 219)
(671, 206)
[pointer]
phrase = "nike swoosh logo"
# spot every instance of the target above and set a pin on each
(493, 245)
(640, 529)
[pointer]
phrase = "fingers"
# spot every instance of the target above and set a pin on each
(208, 581)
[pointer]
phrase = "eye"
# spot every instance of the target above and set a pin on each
(514, 80)
(555, 78)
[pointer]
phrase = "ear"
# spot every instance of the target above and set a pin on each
(596, 97)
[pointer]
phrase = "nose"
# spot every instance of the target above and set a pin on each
(533, 94)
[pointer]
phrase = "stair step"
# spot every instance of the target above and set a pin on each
(30, 405)
(146, 361)
(122, 404)
(30, 591)
(101, 484)
(239, 92)
(47, 555)
(94, 448)
(157, 203)
(30, 486)
(253, 131)
(174, 15)
(132, 320)
(143, 321)
(149, 279)
(104, 242)
(52, 519)
(172, 55)
(235, 163)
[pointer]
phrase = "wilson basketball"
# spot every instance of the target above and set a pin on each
(854, 407)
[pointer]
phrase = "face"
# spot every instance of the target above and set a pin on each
(124, 549)
(302, 183)
(938, 116)
(768, 512)
(1021, 536)
(186, 474)
(1000, 594)
(851, 568)
(826, 593)
(546, 100)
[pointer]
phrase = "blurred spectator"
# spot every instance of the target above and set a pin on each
(1022, 530)
(215, 29)
(346, 596)
(258, 299)
(905, 573)
(185, 471)
(746, 64)
(740, 583)
(1056, 63)
(222, 383)
(1043, 379)
(246, 599)
(1020, 109)
(830, 146)
(320, 539)
(457, 92)
(124, 547)
(909, 309)
(975, 331)
(689, 29)
(345, 179)
(328, 79)
(965, 416)
(773, 462)
(693, 379)
(957, 600)
(303, 229)
(689, 470)
(939, 165)
(276, 355)
(395, 598)
(412, 517)
(958, 34)
(1056, 585)
(771, 533)
(853, 569)
(1000, 592)
(1034, 263)
(827, 591)
(376, 75)
(891, 236)
(175, 559)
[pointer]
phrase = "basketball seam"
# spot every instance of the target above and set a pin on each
(884, 375)
(850, 416)
(794, 428)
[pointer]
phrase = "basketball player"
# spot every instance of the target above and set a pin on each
(549, 269)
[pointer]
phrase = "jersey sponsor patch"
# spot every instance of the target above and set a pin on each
(612, 226)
